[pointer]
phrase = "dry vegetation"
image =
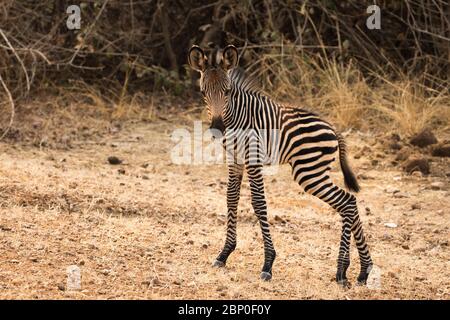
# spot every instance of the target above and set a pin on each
(147, 228)
(317, 53)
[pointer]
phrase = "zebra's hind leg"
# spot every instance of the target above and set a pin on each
(235, 172)
(318, 183)
(363, 251)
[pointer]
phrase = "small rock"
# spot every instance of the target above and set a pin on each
(114, 160)
(121, 171)
(387, 237)
(145, 177)
(417, 174)
(366, 149)
(222, 288)
(441, 151)
(395, 137)
(61, 287)
(368, 211)
(400, 195)
(204, 246)
(155, 282)
(423, 139)
(105, 272)
(395, 146)
(405, 246)
(421, 165)
(403, 154)
(390, 189)
(392, 275)
(419, 278)
(390, 225)
(416, 206)
(437, 185)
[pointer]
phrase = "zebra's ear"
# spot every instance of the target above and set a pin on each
(230, 58)
(197, 59)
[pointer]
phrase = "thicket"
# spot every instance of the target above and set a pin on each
(318, 53)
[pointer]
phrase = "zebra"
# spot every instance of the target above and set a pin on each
(309, 144)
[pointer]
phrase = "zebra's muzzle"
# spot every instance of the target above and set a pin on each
(217, 123)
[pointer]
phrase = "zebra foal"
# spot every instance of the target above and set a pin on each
(309, 144)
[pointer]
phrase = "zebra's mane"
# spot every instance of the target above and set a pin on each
(245, 82)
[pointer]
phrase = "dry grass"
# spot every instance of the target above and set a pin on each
(342, 93)
(153, 230)
(409, 108)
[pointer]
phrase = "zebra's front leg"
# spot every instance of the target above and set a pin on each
(259, 206)
(233, 192)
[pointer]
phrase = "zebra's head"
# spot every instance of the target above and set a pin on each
(215, 83)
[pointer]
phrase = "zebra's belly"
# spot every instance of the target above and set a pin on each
(271, 147)
(252, 149)
(307, 153)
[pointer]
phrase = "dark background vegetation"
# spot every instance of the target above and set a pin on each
(297, 48)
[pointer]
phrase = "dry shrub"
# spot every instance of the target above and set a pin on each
(342, 93)
(317, 54)
(408, 107)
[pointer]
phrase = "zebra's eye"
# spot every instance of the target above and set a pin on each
(227, 91)
(202, 92)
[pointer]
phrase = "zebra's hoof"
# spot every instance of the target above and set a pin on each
(218, 264)
(362, 279)
(266, 276)
(361, 283)
(344, 283)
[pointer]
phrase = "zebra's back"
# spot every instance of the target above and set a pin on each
(305, 137)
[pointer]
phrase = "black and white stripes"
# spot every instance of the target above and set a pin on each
(258, 131)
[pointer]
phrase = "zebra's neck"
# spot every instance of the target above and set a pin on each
(248, 110)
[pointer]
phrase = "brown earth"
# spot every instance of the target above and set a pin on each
(150, 229)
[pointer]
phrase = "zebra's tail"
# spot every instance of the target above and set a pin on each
(349, 177)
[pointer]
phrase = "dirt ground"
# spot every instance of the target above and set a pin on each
(150, 229)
